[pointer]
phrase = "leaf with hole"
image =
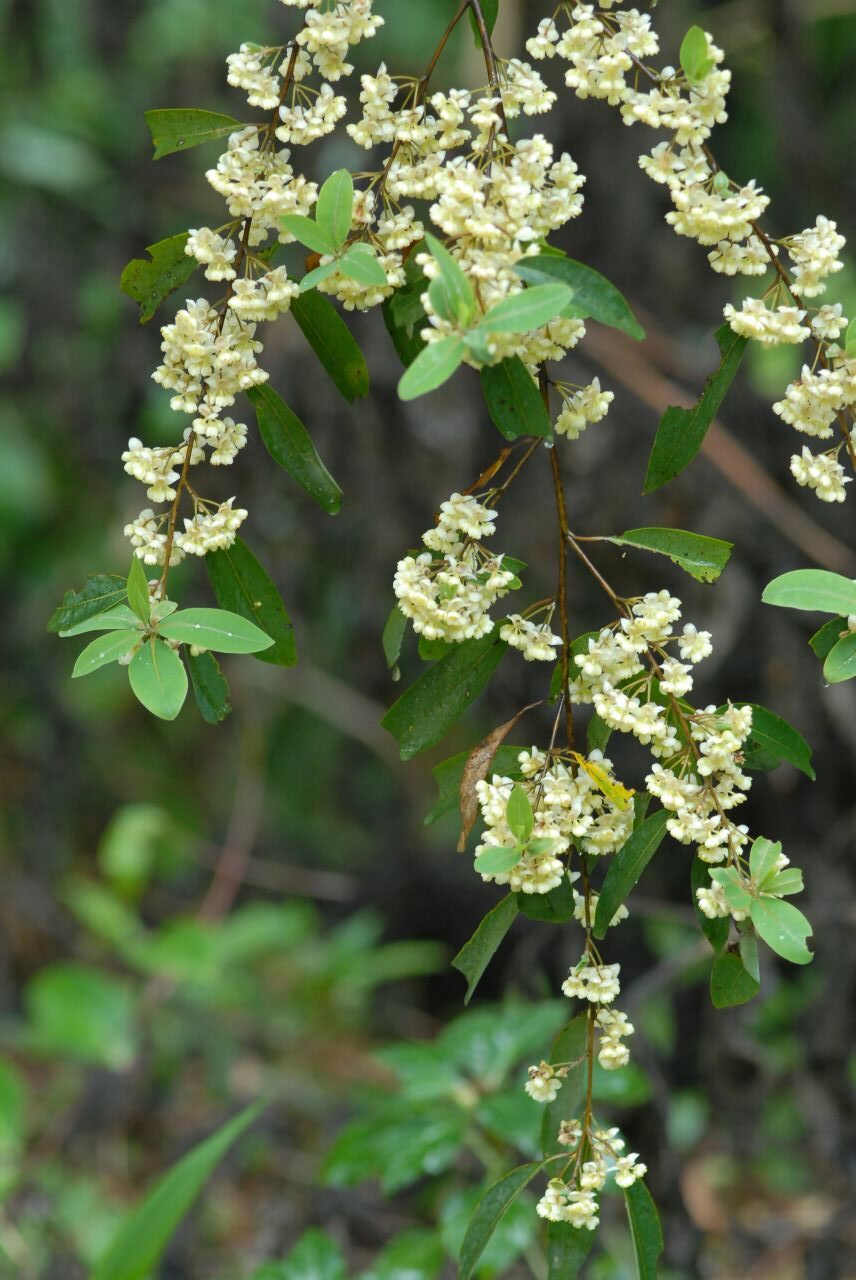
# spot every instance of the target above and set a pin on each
(149, 281)
(177, 128)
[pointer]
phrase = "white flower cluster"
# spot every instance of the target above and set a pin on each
(535, 640)
(544, 1081)
(580, 407)
(568, 809)
(576, 1203)
(447, 590)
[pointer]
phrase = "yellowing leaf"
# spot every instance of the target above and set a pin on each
(620, 795)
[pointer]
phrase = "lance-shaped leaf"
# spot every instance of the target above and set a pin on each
(514, 401)
(393, 638)
(459, 302)
(772, 739)
(569, 1047)
(432, 367)
(119, 618)
(783, 928)
(177, 128)
(701, 557)
(150, 280)
(333, 344)
(730, 982)
(99, 593)
(427, 710)
(288, 443)
(210, 688)
(817, 590)
(109, 648)
(716, 931)
(360, 264)
(243, 586)
(143, 1237)
(138, 591)
(334, 207)
(530, 309)
(627, 866)
(682, 431)
(593, 294)
(645, 1230)
(840, 662)
(158, 679)
(309, 233)
(567, 1249)
(216, 629)
(475, 955)
(489, 1212)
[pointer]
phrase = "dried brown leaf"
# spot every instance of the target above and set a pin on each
(476, 769)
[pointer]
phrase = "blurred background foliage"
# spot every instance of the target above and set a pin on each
(191, 916)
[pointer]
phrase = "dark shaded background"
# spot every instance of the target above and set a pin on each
(757, 1103)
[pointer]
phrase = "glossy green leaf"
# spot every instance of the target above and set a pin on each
(748, 944)
(434, 365)
(393, 638)
(459, 304)
(243, 586)
(840, 662)
(216, 629)
(763, 857)
(120, 618)
(817, 590)
(701, 557)
(555, 907)
(645, 1230)
(681, 432)
(783, 928)
(210, 688)
(309, 233)
(449, 773)
(78, 1013)
(475, 955)
(334, 207)
(716, 931)
(158, 679)
(519, 815)
(496, 860)
(730, 983)
(514, 401)
(489, 1212)
(427, 710)
(530, 309)
(288, 443)
(107, 648)
(598, 733)
(142, 1239)
(778, 740)
(569, 1047)
(360, 264)
(138, 591)
(333, 344)
(177, 128)
(826, 638)
(149, 281)
(567, 1249)
(593, 294)
(627, 866)
(694, 56)
(99, 593)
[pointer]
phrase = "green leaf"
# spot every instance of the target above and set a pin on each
(334, 207)
(431, 368)
(489, 1212)
(459, 304)
(118, 619)
(530, 309)
(779, 740)
(568, 1047)
(840, 663)
(475, 955)
(98, 594)
(817, 590)
(360, 264)
(109, 648)
(730, 983)
(78, 1013)
(598, 733)
(783, 928)
(645, 1230)
(242, 586)
(142, 1239)
(308, 233)
(216, 629)
(138, 591)
(490, 10)
(404, 317)
(150, 280)
(313, 278)
(210, 688)
(514, 401)
(749, 950)
(703, 558)
(555, 907)
(763, 857)
(593, 294)
(158, 679)
(567, 1249)
(825, 640)
(434, 650)
(627, 866)
(314, 1257)
(694, 55)
(786, 882)
(850, 340)
(737, 896)
(333, 343)
(681, 431)
(177, 128)
(716, 931)
(519, 815)
(449, 773)
(416, 1254)
(393, 638)
(288, 443)
(427, 710)
(496, 860)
